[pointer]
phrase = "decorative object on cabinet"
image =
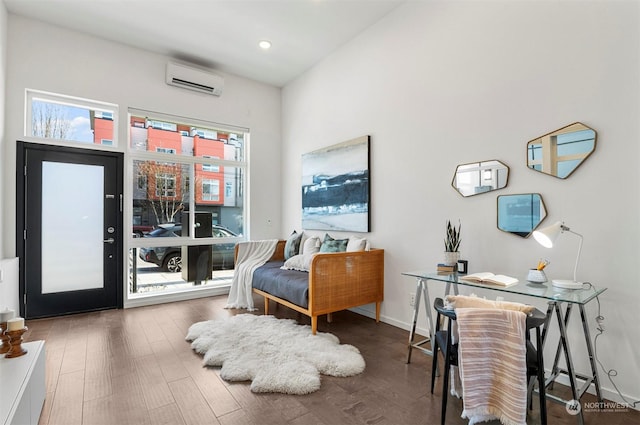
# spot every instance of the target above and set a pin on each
(4, 339)
(451, 245)
(6, 314)
(15, 342)
(520, 214)
(480, 177)
(335, 187)
(546, 237)
(560, 152)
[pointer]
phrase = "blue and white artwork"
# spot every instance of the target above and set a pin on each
(335, 187)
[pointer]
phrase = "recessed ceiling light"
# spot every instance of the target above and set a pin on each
(264, 44)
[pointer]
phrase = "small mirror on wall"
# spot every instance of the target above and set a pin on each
(560, 152)
(520, 214)
(480, 177)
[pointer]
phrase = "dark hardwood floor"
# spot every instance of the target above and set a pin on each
(134, 367)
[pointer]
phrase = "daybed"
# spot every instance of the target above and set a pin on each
(334, 282)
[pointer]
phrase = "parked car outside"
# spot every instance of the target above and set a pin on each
(170, 258)
(140, 230)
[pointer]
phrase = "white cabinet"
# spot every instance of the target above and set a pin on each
(22, 386)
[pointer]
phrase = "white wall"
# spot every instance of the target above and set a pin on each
(49, 58)
(438, 84)
(6, 292)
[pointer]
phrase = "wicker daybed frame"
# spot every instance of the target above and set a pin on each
(337, 281)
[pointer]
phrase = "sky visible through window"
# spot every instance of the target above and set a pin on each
(75, 120)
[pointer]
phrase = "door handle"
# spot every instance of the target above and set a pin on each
(110, 240)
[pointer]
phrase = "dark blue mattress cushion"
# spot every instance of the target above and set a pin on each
(290, 285)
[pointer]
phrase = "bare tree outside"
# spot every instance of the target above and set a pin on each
(50, 120)
(167, 191)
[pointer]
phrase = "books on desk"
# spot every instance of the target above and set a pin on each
(486, 277)
(446, 268)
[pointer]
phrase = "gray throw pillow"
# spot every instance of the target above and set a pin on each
(292, 246)
(333, 245)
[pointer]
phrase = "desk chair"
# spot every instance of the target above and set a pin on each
(442, 342)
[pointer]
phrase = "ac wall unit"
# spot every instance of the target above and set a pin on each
(194, 79)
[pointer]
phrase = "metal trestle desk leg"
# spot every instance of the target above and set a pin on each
(423, 290)
(563, 346)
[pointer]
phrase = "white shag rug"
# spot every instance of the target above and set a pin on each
(277, 355)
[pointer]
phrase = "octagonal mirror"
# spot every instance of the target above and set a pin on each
(480, 177)
(560, 152)
(520, 214)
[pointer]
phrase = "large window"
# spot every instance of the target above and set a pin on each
(69, 119)
(184, 172)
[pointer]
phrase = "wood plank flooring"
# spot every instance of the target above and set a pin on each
(134, 367)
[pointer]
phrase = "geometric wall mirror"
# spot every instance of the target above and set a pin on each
(560, 152)
(520, 214)
(480, 177)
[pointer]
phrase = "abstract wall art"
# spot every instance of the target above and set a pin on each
(335, 187)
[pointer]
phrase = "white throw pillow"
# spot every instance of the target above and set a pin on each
(311, 245)
(300, 262)
(302, 240)
(357, 244)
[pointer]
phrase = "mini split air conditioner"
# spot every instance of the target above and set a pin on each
(194, 79)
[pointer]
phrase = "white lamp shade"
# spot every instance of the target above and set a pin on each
(547, 236)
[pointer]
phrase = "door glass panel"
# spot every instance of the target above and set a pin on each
(72, 227)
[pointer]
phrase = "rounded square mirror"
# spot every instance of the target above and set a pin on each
(480, 177)
(520, 214)
(560, 152)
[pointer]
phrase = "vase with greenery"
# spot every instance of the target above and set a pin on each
(452, 244)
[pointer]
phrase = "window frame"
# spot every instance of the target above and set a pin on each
(178, 159)
(72, 101)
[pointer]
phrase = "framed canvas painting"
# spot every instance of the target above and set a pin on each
(335, 187)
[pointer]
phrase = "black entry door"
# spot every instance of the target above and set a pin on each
(69, 229)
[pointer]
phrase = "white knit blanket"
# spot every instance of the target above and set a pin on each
(492, 365)
(251, 255)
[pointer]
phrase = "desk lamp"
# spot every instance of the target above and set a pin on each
(546, 237)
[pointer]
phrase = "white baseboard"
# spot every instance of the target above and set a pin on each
(389, 320)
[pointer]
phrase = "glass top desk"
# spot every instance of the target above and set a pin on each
(555, 298)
